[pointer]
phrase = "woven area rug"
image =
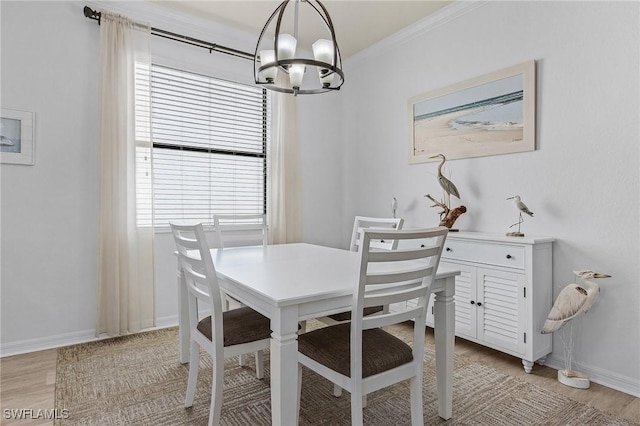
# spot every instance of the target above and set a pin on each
(137, 380)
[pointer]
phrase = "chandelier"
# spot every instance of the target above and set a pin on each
(278, 51)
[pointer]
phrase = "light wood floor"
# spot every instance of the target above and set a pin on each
(28, 382)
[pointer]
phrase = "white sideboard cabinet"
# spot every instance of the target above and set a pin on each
(503, 293)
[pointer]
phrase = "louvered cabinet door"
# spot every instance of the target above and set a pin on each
(501, 309)
(464, 300)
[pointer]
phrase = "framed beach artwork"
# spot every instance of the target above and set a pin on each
(488, 115)
(17, 141)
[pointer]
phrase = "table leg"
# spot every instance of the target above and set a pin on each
(183, 316)
(444, 333)
(284, 367)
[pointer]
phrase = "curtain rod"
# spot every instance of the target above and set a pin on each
(211, 47)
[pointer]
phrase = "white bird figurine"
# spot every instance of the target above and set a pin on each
(394, 206)
(572, 301)
(517, 202)
(522, 208)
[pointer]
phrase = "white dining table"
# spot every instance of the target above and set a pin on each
(289, 283)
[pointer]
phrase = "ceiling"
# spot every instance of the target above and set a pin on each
(358, 23)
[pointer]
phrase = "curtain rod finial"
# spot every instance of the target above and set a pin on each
(92, 14)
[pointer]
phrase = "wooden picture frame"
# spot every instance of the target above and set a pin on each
(488, 115)
(17, 137)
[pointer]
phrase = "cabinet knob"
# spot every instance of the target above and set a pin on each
(448, 249)
(421, 245)
(479, 303)
(473, 303)
(508, 256)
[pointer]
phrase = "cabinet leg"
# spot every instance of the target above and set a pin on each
(528, 365)
(542, 361)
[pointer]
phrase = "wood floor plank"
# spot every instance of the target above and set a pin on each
(27, 382)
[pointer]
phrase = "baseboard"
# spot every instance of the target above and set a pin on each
(49, 342)
(166, 322)
(602, 377)
(67, 339)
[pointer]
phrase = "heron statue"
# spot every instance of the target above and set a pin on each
(448, 186)
(522, 208)
(573, 300)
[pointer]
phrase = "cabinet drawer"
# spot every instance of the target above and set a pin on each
(483, 252)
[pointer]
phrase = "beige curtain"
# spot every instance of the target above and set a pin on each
(284, 202)
(125, 234)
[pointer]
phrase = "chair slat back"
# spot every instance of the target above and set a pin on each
(241, 230)
(200, 274)
(381, 223)
(388, 277)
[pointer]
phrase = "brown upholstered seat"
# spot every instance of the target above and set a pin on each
(346, 316)
(330, 346)
(242, 325)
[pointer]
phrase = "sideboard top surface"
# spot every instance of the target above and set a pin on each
(486, 236)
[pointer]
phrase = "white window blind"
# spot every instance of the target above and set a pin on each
(210, 144)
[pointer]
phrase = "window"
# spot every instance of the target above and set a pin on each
(210, 144)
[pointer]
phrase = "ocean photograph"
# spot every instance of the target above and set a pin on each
(485, 119)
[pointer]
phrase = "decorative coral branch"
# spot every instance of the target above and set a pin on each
(447, 216)
(445, 209)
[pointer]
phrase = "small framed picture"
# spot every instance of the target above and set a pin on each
(17, 137)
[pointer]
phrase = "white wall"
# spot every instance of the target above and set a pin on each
(582, 181)
(323, 168)
(50, 210)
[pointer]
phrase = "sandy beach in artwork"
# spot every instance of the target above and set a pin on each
(438, 134)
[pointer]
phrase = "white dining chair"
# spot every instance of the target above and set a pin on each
(360, 356)
(238, 230)
(361, 223)
(222, 334)
(241, 230)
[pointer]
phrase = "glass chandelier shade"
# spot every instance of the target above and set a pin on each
(279, 52)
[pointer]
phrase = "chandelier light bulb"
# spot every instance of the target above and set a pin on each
(296, 73)
(286, 46)
(269, 57)
(323, 52)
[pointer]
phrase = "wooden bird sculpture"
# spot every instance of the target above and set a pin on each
(445, 183)
(572, 301)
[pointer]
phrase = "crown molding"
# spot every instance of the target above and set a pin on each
(453, 11)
